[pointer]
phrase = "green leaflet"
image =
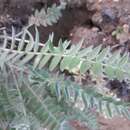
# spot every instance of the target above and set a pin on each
(54, 62)
(97, 68)
(94, 53)
(75, 49)
(102, 55)
(114, 58)
(36, 44)
(3, 59)
(21, 43)
(66, 44)
(58, 92)
(31, 43)
(74, 63)
(64, 63)
(44, 61)
(13, 38)
(69, 63)
(85, 51)
(119, 74)
(124, 60)
(61, 47)
(110, 72)
(85, 65)
(26, 59)
(51, 47)
(5, 39)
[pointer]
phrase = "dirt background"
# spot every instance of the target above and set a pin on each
(105, 22)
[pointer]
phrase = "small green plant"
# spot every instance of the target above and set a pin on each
(32, 97)
(47, 17)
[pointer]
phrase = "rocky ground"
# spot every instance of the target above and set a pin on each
(116, 123)
(105, 22)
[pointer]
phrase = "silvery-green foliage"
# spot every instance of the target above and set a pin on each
(35, 99)
(33, 104)
(47, 17)
(71, 92)
(20, 51)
